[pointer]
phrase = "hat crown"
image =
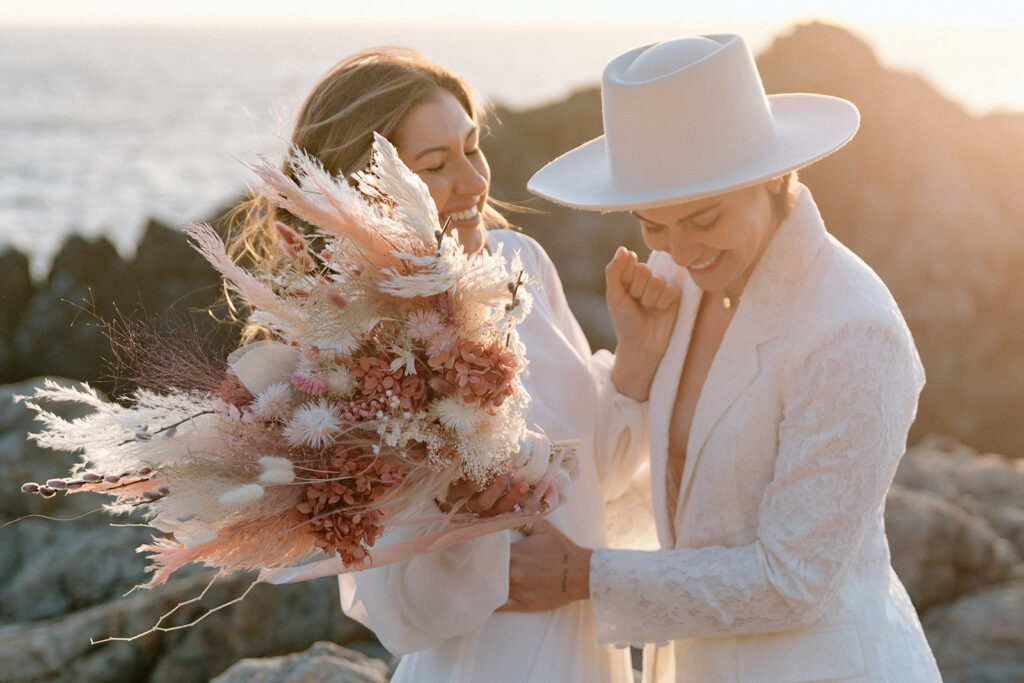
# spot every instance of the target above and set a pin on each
(684, 110)
(686, 119)
(671, 55)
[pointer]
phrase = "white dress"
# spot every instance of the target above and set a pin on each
(438, 610)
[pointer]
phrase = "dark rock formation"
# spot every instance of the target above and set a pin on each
(59, 327)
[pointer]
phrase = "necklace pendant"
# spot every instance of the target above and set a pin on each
(727, 302)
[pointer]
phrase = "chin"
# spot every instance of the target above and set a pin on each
(471, 238)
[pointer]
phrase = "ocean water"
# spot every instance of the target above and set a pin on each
(102, 127)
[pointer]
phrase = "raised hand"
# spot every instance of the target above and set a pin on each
(643, 308)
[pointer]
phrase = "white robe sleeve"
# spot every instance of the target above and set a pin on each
(848, 408)
(426, 600)
(620, 439)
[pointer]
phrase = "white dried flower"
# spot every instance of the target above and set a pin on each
(424, 324)
(457, 415)
(277, 476)
(274, 402)
(273, 462)
(242, 495)
(314, 424)
(276, 470)
(340, 381)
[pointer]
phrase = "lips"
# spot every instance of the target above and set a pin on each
(704, 265)
(465, 215)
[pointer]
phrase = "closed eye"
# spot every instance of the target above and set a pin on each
(704, 223)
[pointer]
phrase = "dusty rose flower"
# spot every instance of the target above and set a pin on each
(480, 373)
(336, 504)
(375, 378)
(312, 383)
(234, 392)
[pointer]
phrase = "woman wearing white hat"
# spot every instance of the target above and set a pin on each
(780, 406)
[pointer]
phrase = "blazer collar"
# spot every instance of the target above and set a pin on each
(760, 316)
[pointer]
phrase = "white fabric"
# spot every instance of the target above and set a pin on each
(780, 568)
(439, 607)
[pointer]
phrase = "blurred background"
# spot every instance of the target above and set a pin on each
(119, 121)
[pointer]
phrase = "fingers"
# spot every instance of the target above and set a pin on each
(618, 274)
(669, 297)
(460, 490)
(482, 502)
(641, 278)
(509, 501)
(650, 294)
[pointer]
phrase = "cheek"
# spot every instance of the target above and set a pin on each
(437, 188)
(655, 241)
(483, 168)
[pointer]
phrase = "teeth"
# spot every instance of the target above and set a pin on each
(463, 215)
(706, 264)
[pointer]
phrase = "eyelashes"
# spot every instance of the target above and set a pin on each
(655, 229)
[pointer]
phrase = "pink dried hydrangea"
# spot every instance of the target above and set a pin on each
(336, 504)
(480, 373)
(375, 378)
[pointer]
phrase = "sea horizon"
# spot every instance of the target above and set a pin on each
(107, 125)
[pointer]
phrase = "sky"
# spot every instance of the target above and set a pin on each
(1002, 13)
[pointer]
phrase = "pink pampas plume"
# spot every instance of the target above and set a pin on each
(321, 206)
(207, 242)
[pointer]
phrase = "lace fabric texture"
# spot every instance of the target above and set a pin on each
(775, 564)
(840, 441)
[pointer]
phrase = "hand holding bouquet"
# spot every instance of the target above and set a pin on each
(392, 372)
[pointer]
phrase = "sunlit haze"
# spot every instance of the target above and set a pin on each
(919, 12)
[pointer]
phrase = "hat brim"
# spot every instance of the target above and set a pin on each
(809, 127)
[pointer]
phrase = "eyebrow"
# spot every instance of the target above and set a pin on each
(685, 218)
(444, 148)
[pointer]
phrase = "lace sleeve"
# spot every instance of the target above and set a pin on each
(848, 407)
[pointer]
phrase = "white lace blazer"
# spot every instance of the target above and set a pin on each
(779, 569)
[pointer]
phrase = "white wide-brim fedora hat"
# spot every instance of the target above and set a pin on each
(687, 119)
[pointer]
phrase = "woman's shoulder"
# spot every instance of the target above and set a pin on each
(511, 241)
(844, 287)
(844, 299)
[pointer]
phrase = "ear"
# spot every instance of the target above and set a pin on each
(775, 184)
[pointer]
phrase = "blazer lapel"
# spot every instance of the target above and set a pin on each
(663, 397)
(760, 317)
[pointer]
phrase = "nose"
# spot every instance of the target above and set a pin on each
(683, 244)
(470, 180)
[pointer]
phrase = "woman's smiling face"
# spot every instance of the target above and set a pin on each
(440, 143)
(719, 239)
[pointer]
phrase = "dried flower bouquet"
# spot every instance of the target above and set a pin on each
(393, 371)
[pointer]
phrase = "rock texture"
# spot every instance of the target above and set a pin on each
(980, 637)
(322, 663)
